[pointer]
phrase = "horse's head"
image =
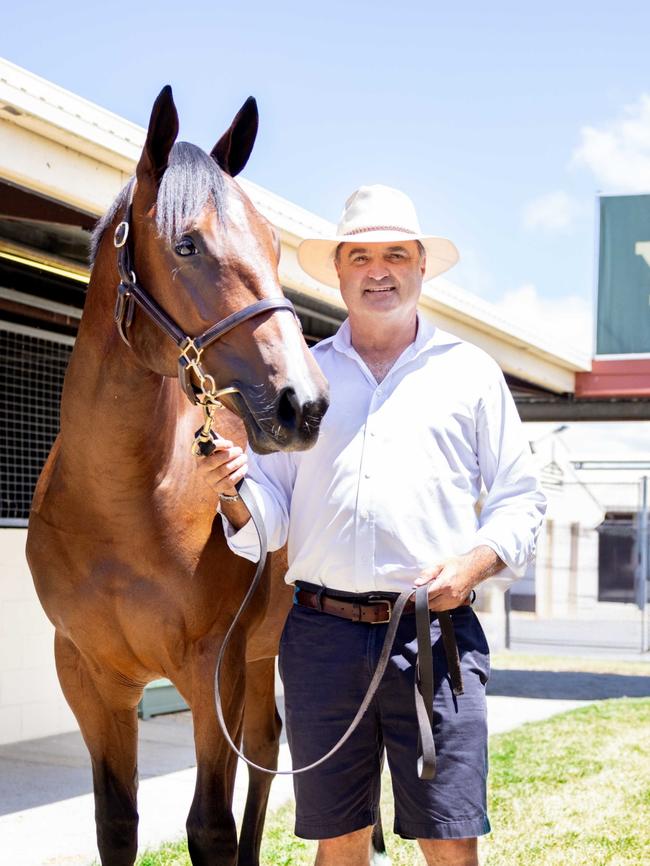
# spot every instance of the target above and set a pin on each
(200, 249)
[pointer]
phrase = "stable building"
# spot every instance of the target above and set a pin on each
(62, 162)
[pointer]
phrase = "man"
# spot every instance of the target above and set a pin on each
(387, 500)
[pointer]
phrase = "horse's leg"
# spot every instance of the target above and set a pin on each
(107, 715)
(211, 830)
(262, 726)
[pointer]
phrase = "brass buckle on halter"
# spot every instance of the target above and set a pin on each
(189, 346)
(204, 434)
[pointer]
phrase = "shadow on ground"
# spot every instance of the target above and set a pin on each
(567, 685)
(36, 772)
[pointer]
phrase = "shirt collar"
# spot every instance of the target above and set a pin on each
(428, 335)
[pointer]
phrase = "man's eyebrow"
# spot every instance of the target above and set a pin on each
(395, 249)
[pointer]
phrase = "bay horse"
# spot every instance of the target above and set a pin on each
(128, 557)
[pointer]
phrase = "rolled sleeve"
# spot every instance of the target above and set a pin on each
(270, 479)
(513, 510)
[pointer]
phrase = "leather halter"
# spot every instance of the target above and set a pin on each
(130, 292)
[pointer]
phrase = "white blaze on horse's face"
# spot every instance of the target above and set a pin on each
(205, 254)
(380, 280)
(282, 392)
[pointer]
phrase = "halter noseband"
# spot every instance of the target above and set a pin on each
(130, 292)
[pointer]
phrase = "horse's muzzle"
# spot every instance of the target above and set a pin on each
(289, 424)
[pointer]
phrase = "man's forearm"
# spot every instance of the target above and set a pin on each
(483, 562)
(235, 513)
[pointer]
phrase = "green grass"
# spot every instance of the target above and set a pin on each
(171, 854)
(573, 790)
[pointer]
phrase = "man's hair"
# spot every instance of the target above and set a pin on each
(337, 251)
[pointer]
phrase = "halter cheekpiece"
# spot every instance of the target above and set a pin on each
(130, 292)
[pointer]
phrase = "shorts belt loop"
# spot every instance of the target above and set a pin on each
(319, 598)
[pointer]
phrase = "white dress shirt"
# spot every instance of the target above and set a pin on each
(392, 484)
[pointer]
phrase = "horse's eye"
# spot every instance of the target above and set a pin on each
(185, 247)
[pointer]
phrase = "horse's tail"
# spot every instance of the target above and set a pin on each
(379, 854)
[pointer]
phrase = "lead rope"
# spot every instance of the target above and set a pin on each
(424, 666)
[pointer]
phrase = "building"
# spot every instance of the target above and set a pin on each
(62, 162)
(588, 560)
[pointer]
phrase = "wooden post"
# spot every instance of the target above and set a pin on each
(573, 569)
(546, 596)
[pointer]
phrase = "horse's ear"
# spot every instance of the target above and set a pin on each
(161, 135)
(234, 147)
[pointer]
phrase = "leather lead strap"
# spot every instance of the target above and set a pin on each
(424, 672)
(424, 686)
(451, 652)
(398, 608)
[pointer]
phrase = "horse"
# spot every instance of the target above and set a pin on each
(127, 553)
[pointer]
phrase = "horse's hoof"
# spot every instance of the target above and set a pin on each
(380, 858)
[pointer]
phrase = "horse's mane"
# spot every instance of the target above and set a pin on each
(190, 180)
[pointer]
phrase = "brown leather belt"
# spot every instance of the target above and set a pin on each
(365, 608)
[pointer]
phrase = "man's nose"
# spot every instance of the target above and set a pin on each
(378, 270)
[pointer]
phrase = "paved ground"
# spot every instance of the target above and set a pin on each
(608, 637)
(46, 808)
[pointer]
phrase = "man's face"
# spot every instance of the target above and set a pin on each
(380, 279)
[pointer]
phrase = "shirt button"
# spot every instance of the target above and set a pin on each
(366, 475)
(372, 433)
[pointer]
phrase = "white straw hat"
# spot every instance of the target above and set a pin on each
(375, 215)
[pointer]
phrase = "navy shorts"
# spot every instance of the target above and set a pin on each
(326, 664)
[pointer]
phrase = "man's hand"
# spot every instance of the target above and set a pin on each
(450, 582)
(221, 470)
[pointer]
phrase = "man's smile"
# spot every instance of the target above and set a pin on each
(377, 289)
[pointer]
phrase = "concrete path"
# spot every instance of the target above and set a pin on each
(604, 637)
(46, 808)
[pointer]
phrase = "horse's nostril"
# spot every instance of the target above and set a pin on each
(289, 408)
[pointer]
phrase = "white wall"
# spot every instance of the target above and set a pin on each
(31, 702)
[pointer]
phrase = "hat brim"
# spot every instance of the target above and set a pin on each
(316, 255)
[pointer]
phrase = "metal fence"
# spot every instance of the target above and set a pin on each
(32, 368)
(588, 588)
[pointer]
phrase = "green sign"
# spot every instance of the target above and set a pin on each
(623, 319)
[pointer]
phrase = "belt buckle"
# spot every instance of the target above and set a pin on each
(389, 609)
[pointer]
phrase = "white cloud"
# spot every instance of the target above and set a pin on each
(566, 320)
(618, 153)
(554, 211)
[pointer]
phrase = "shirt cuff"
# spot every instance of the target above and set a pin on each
(244, 542)
(513, 569)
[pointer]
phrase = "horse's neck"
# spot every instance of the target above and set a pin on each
(116, 416)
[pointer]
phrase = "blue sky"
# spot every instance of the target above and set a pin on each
(502, 120)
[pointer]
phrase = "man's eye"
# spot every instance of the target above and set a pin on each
(360, 259)
(185, 247)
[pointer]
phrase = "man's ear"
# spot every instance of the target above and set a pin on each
(161, 135)
(423, 258)
(233, 149)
